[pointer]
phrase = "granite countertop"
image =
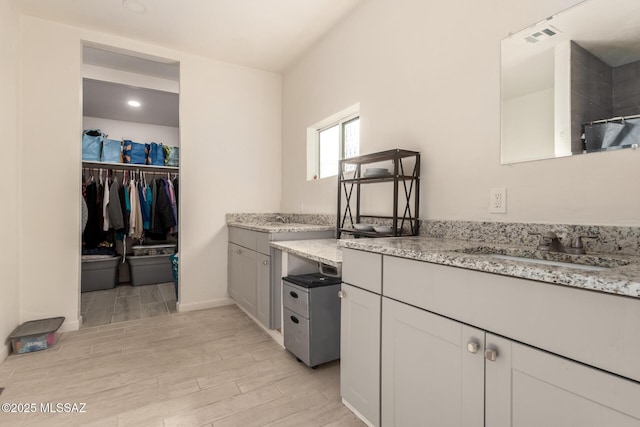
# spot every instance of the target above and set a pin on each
(321, 250)
(279, 227)
(622, 277)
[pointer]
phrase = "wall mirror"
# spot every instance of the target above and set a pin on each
(571, 84)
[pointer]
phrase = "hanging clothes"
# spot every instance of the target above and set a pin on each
(164, 219)
(114, 209)
(105, 206)
(148, 200)
(174, 206)
(135, 217)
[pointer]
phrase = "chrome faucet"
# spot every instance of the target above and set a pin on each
(550, 242)
(282, 219)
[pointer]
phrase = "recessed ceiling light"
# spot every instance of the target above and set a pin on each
(134, 6)
(134, 103)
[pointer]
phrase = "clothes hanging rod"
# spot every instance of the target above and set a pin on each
(635, 116)
(129, 166)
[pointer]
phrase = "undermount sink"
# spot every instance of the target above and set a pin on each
(550, 262)
(557, 259)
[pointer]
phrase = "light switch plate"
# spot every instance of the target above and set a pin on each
(498, 200)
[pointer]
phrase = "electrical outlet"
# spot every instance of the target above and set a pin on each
(498, 200)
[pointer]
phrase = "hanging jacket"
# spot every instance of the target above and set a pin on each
(164, 219)
(116, 220)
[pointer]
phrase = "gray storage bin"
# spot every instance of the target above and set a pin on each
(99, 272)
(150, 269)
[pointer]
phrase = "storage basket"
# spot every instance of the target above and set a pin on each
(111, 151)
(92, 145)
(134, 152)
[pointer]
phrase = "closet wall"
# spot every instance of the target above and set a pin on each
(230, 147)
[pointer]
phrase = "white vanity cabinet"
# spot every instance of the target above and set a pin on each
(438, 370)
(254, 271)
(360, 333)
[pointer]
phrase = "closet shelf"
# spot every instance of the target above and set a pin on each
(129, 166)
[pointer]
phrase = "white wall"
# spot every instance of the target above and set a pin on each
(139, 132)
(427, 76)
(9, 284)
(527, 127)
(230, 161)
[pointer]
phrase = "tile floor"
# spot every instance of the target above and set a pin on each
(212, 367)
(126, 302)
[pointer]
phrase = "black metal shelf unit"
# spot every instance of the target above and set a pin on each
(403, 223)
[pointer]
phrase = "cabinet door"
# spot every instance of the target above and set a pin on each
(527, 387)
(263, 290)
(432, 369)
(360, 351)
(242, 277)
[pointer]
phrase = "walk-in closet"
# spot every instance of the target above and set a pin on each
(130, 186)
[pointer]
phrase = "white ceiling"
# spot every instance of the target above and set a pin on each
(264, 34)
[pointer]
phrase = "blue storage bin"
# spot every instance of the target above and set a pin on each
(111, 151)
(134, 152)
(92, 145)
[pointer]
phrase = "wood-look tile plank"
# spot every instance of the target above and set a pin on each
(127, 308)
(225, 408)
(154, 309)
(150, 293)
(277, 409)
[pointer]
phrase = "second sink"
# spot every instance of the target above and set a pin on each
(533, 256)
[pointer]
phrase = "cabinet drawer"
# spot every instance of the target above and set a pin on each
(296, 299)
(362, 269)
(242, 237)
(262, 243)
(296, 335)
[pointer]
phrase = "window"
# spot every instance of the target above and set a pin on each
(335, 138)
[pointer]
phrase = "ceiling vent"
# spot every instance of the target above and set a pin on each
(540, 34)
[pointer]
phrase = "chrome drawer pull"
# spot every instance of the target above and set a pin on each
(491, 354)
(473, 347)
(342, 294)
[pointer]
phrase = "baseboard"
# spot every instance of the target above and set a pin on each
(70, 325)
(201, 305)
(356, 413)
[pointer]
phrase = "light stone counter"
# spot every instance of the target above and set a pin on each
(280, 227)
(321, 250)
(623, 276)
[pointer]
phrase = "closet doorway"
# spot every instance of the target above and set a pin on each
(130, 186)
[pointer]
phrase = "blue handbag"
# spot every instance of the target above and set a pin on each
(134, 152)
(111, 151)
(92, 145)
(155, 155)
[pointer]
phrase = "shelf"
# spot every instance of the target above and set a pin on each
(380, 156)
(372, 179)
(129, 166)
(405, 179)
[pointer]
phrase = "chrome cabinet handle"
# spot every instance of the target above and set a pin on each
(491, 354)
(473, 347)
(342, 294)
(265, 262)
(238, 251)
